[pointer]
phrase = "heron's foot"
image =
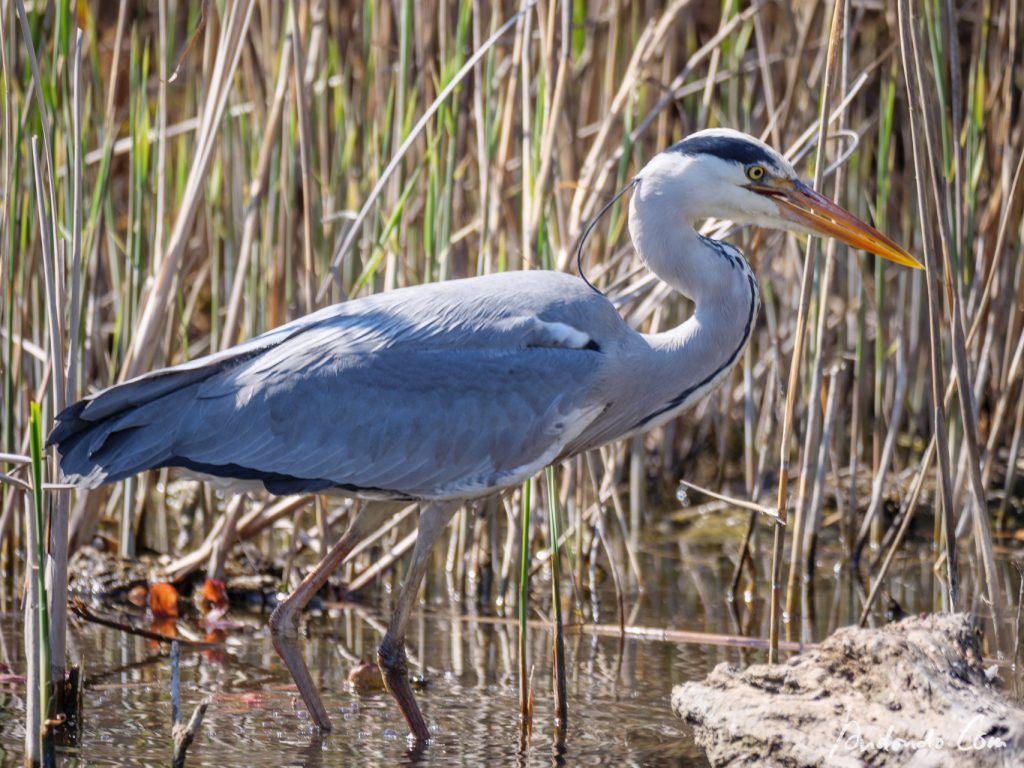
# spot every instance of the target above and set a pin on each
(394, 667)
(284, 631)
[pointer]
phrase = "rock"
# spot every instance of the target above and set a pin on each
(912, 693)
(365, 678)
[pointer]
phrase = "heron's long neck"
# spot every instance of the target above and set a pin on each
(689, 359)
(661, 222)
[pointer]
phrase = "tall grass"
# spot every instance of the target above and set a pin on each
(37, 613)
(311, 151)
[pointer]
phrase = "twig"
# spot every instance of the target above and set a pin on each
(741, 503)
(305, 163)
(251, 524)
(183, 735)
(81, 610)
(525, 689)
(226, 540)
(888, 449)
(10, 480)
(175, 684)
(385, 562)
(653, 634)
(257, 191)
(558, 639)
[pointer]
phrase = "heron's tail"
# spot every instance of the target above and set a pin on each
(125, 429)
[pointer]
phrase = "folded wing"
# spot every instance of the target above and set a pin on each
(381, 396)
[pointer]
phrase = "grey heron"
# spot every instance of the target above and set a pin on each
(445, 392)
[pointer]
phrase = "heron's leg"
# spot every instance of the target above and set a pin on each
(391, 652)
(284, 621)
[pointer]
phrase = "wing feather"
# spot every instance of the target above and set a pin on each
(442, 390)
(415, 423)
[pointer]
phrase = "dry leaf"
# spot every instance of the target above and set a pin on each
(163, 600)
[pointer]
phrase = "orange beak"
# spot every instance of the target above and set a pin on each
(800, 204)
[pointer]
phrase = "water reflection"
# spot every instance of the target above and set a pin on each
(618, 693)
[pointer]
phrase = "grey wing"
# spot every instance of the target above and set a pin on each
(380, 396)
(394, 423)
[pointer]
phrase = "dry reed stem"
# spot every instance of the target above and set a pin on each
(156, 302)
(813, 526)
(924, 104)
(931, 279)
(410, 139)
(812, 465)
(794, 371)
(305, 163)
(257, 191)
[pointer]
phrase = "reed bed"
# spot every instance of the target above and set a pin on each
(178, 177)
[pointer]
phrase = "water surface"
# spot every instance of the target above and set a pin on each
(619, 690)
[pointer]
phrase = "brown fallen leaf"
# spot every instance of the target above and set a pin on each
(215, 595)
(163, 600)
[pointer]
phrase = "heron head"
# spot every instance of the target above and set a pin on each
(726, 174)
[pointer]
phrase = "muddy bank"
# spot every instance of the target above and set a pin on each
(911, 693)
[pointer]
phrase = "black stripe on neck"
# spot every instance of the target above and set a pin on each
(681, 398)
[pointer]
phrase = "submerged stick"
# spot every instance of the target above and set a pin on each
(183, 735)
(525, 698)
(175, 684)
(558, 639)
(81, 610)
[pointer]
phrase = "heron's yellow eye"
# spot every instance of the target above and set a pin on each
(755, 173)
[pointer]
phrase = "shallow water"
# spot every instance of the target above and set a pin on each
(618, 691)
(619, 701)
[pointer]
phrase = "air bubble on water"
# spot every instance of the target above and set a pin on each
(682, 497)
